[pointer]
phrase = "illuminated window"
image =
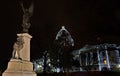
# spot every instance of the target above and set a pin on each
(105, 61)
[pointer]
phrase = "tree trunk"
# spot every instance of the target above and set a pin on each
(67, 72)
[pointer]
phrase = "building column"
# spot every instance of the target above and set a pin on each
(80, 62)
(91, 58)
(99, 63)
(86, 61)
(117, 56)
(107, 57)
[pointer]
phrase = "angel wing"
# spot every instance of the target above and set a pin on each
(31, 8)
(22, 6)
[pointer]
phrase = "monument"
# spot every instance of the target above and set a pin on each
(19, 64)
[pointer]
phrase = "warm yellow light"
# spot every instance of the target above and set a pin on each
(105, 61)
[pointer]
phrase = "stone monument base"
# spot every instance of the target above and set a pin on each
(19, 74)
(18, 67)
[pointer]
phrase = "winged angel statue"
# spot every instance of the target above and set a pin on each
(26, 17)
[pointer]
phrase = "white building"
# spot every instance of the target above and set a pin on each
(98, 57)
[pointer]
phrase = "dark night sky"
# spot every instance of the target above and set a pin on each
(86, 20)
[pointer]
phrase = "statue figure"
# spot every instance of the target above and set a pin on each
(26, 17)
(18, 45)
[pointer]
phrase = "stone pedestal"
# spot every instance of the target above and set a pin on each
(25, 51)
(24, 67)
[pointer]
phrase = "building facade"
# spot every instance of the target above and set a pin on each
(98, 57)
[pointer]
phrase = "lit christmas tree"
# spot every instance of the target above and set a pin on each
(60, 52)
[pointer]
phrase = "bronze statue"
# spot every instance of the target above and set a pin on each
(18, 45)
(26, 17)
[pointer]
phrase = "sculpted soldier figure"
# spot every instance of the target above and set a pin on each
(26, 17)
(18, 45)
